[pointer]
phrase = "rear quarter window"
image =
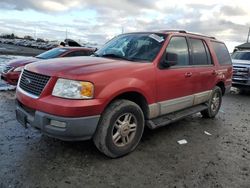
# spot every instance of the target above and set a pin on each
(222, 53)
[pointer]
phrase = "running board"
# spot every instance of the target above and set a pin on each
(174, 116)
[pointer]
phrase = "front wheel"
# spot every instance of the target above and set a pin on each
(120, 128)
(214, 104)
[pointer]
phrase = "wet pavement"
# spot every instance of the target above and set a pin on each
(222, 159)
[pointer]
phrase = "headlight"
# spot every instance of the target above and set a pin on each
(18, 69)
(72, 89)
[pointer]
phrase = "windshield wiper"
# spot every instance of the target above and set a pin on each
(138, 59)
(95, 54)
(40, 58)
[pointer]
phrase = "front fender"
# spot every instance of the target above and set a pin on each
(120, 86)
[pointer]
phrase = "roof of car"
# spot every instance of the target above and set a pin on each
(186, 32)
(179, 31)
(244, 46)
(243, 50)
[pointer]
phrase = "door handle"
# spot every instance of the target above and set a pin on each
(188, 74)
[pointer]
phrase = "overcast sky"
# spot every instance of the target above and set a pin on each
(99, 20)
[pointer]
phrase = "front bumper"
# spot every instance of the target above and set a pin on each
(68, 129)
(241, 86)
(11, 77)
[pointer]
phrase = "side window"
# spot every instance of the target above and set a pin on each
(199, 52)
(222, 53)
(178, 47)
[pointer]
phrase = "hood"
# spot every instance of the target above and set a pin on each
(22, 62)
(241, 62)
(73, 67)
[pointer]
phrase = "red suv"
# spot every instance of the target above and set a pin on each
(12, 71)
(135, 80)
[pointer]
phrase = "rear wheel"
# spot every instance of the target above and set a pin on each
(214, 104)
(120, 128)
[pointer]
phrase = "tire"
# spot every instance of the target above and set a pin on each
(214, 104)
(120, 128)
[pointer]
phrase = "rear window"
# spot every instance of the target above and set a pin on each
(222, 53)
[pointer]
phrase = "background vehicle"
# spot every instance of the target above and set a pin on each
(11, 71)
(136, 79)
(241, 70)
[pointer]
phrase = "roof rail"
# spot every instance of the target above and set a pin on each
(173, 30)
(183, 31)
(201, 35)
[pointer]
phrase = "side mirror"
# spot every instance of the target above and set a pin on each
(169, 60)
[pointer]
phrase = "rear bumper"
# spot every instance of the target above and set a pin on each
(63, 128)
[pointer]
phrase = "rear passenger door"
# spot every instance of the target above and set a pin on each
(203, 66)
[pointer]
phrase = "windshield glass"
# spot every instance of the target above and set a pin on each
(56, 52)
(133, 47)
(241, 55)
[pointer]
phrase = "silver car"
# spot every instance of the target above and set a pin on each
(241, 69)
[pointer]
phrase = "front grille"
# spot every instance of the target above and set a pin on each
(240, 74)
(7, 68)
(33, 83)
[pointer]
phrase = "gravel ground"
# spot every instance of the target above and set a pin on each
(29, 159)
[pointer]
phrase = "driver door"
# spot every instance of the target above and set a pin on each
(175, 84)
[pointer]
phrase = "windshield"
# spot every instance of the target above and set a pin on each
(56, 52)
(133, 47)
(241, 55)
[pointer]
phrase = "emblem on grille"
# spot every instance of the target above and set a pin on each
(27, 81)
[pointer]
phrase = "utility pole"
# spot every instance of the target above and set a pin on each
(35, 33)
(66, 33)
(248, 35)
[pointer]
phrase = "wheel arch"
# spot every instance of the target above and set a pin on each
(221, 85)
(135, 97)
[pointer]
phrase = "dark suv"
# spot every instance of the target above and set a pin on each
(135, 80)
